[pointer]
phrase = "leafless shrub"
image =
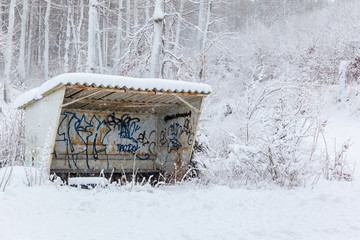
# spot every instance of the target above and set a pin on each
(11, 142)
(278, 127)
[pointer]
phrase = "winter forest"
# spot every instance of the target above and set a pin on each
(281, 121)
(167, 39)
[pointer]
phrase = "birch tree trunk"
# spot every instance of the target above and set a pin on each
(206, 27)
(119, 37)
(136, 23)
(204, 40)
(99, 53)
(200, 27)
(147, 13)
(28, 58)
(78, 37)
(67, 41)
(178, 27)
(40, 31)
(128, 29)
(91, 53)
(105, 37)
(155, 65)
(21, 64)
(46, 40)
(8, 51)
(1, 19)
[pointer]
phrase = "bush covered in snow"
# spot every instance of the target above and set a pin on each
(11, 141)
(270, 135)
(12, 135)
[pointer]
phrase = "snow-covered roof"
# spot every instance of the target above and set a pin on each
(111, 82)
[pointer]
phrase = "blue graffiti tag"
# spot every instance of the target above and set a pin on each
(176, 131)
(90, 138)
(127, 127)
(78, 130)
(128, 148)
(98, 145)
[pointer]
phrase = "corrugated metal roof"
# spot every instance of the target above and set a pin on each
(81, 85)
(102, 99)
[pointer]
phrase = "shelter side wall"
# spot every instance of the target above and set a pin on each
(41, 119)
(176, 134)
(96, 140)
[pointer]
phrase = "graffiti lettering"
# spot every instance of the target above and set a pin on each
(128, 148)
(93, 139)
(176, 134)
(123, 121)
(163, 139)
(77, 134)
(188, 131)
(176, 116)
(145, 141)
(176, 131)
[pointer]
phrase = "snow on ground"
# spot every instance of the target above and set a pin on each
(337, 134)
(342, 125)
(187, 211)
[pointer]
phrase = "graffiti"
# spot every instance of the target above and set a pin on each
(176, 131)
(97, 127)
(146, 141)
(84, 138)
(188, 131)
(89, 138)
(78, 134)
(163, 138)
(176, 116)
(172, 137)
(176, 134)
(123, 121)
(128, 148)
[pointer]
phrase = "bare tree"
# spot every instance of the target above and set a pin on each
(46, 39)
(91, 51)
(119, 36)
(68, 35)
(8, 51)
(157, 45)
(21, 64)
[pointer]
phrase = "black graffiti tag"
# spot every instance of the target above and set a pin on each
(176, 116)
(145, 141)
(188, 131)
(125, 120)
(163, 139)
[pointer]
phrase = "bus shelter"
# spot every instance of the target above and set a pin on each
(81, 124)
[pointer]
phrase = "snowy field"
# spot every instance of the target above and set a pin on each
(188, 211)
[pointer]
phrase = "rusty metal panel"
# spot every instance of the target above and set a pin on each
(176, 134)
(60, 165)
(96, 140)
(41, 120)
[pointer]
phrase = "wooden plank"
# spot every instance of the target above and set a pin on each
(196, 128)
(79, 99)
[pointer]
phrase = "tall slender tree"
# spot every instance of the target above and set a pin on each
(119, 37)
(21, 63)
(67, 36)
(92, 26)
(157, 45)
(46, 39)
(8, 51)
